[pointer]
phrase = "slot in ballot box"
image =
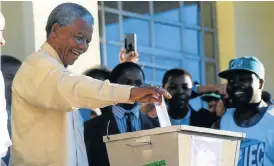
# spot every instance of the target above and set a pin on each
(174, 146)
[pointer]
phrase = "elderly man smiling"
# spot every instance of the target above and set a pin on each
(44, 94)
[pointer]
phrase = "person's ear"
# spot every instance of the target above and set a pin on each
(54, 29)
(261, 83)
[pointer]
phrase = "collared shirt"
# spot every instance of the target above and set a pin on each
(78, 133)
(2, 163)
(119, 114)
(7, 157)
(183, 121)
(44, 93)
(84, 114)
(5, 141)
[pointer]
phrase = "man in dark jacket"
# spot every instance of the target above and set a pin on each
(123, 117)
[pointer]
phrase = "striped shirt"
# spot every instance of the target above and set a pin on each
(119, 114)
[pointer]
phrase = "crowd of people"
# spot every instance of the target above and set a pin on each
(43, 103)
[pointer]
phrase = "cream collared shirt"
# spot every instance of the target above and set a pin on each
(43, 95)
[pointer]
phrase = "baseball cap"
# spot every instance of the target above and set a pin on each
(246, 63)
(209, 96)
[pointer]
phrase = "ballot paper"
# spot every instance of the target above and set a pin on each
(162, 114)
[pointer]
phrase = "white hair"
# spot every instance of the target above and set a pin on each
(65, 13)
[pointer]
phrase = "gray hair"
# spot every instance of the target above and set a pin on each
(65, 13)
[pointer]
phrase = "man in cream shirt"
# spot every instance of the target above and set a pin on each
(5, 141)
(44, 92)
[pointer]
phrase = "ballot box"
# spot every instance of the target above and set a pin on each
(174, 146)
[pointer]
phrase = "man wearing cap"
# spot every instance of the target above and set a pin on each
(251, 115)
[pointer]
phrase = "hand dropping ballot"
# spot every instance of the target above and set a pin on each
(162, 114)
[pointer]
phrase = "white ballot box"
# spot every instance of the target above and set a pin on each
(174, 146)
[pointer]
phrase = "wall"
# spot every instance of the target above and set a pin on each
(15, 30)
(246, 29)
(254, 31)
(226, 33)
(25, 29)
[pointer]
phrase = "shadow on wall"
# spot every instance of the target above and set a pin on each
(19, 30)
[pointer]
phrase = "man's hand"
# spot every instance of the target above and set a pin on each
(220, 89)
(220, 108)
(132, 56)
(148, 94)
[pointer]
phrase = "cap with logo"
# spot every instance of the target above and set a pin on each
(246, 63)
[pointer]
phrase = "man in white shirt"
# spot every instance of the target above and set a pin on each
(44, 93)
(5, 141)
(9, 67)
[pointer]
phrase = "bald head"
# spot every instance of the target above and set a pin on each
(65, 13)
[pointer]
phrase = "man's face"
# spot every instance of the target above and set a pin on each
(70, 42)
(9, 70)
(212, 105)
(2, 27)
(244, 87)
(180, 88)
(133, 77)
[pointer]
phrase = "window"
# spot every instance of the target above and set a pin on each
(138, 26)
(140, 7)
(169, 35)
(167, 10)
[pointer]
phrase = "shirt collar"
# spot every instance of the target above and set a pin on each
(120, 112)
(46, 47)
